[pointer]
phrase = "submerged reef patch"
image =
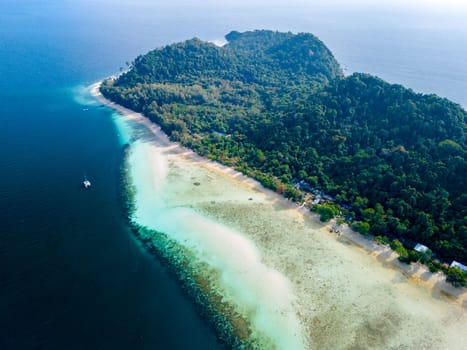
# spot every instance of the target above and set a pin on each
(197, 278)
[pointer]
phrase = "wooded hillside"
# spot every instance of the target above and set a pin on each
(277, 107)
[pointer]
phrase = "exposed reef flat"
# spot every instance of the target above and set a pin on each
(296, 285)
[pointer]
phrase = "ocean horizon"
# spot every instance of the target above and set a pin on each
(73, 274)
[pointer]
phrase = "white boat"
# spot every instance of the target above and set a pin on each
(86, 183)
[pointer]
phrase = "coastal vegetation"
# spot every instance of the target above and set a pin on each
(277, 107)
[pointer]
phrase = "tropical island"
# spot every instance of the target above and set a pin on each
(277, 107)
(250, 253)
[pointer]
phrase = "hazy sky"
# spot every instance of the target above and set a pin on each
(452, 6)
(422, 4)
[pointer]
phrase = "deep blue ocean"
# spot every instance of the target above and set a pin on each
(72, 275)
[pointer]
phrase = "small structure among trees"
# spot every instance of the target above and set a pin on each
(421, 248)
(457, 274)
(458, 265)
(424, 253)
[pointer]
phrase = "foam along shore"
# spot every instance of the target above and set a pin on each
(300, 286)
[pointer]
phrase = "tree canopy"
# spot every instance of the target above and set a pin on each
(277, 107)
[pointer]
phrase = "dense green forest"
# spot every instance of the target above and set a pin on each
(277, 107)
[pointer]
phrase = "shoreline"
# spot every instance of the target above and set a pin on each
(339, 292)
(232, 261)
(416, 272)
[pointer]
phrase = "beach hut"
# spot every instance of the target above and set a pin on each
(316, 200)
(458, 265)
(421, 248)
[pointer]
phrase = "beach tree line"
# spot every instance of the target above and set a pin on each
(277, 107)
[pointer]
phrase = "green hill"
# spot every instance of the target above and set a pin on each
(277, 107)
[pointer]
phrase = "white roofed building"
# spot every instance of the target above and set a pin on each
(458, 265)
(421, 248)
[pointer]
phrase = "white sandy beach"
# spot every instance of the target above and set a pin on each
(299, 285)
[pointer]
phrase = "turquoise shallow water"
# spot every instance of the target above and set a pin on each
(292, 283)
(72, 275)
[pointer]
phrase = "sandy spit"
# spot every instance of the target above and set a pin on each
(417, 272)
(351, 292)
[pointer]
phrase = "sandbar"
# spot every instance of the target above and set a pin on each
(328, 291)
